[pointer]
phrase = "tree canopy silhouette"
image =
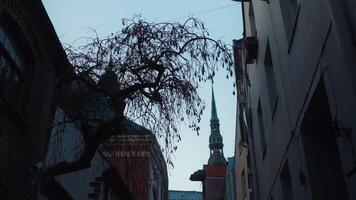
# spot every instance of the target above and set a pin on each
(148, 73)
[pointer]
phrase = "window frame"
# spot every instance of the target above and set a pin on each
(244, 183)
(252, 19)
(271, 80)
(286, 181)
(19, 63)
(261, 127)
(290, 15)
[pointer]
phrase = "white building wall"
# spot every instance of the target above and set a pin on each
(316, 51)
(67, 147)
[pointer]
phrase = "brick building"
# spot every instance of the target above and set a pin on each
(136, 156)
(30, 58)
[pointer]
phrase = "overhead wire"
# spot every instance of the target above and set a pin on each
(204, 11)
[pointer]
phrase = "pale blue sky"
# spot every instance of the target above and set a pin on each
(73, 18)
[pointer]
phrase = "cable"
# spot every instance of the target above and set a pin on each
(204, 11)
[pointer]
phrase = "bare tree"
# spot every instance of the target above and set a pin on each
(148, 73)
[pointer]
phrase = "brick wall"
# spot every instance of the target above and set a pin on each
(24, 138)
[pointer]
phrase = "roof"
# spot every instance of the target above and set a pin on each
(197, 176)
(132, 128)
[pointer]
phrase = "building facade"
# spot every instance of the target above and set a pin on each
(230, 185)
(136, 156)
(298, 58)
(30, 58)
(213, 174)
(100, 181)
(246, 183)
(184, 195)
(128, 166)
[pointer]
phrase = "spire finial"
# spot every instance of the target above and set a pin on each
(214, 114)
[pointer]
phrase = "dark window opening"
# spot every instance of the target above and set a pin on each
(271, 80)
(249, 180)
(261, 129)
(251, 15)
(243, 128)
(286, 182)
(14, 66)
(248, 158)
(243, 183)
(325, 173)
(289, 10)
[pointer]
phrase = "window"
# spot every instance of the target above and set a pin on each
(155, 196)
(261, 129)
(248, 158)
(286, 182)
(251, 15)
(249, 179)
(289, 10)
(243, 183)
(243, 128)
(271, 80)
(240, 147)
(12, 67)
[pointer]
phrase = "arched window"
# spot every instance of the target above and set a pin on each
(14, 83)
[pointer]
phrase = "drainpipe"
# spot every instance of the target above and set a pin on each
(347, 42)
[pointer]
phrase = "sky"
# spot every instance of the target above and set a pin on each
(74, 18)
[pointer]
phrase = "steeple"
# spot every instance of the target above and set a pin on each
(215, 140)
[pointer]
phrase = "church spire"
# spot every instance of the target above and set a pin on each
(215, 140)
